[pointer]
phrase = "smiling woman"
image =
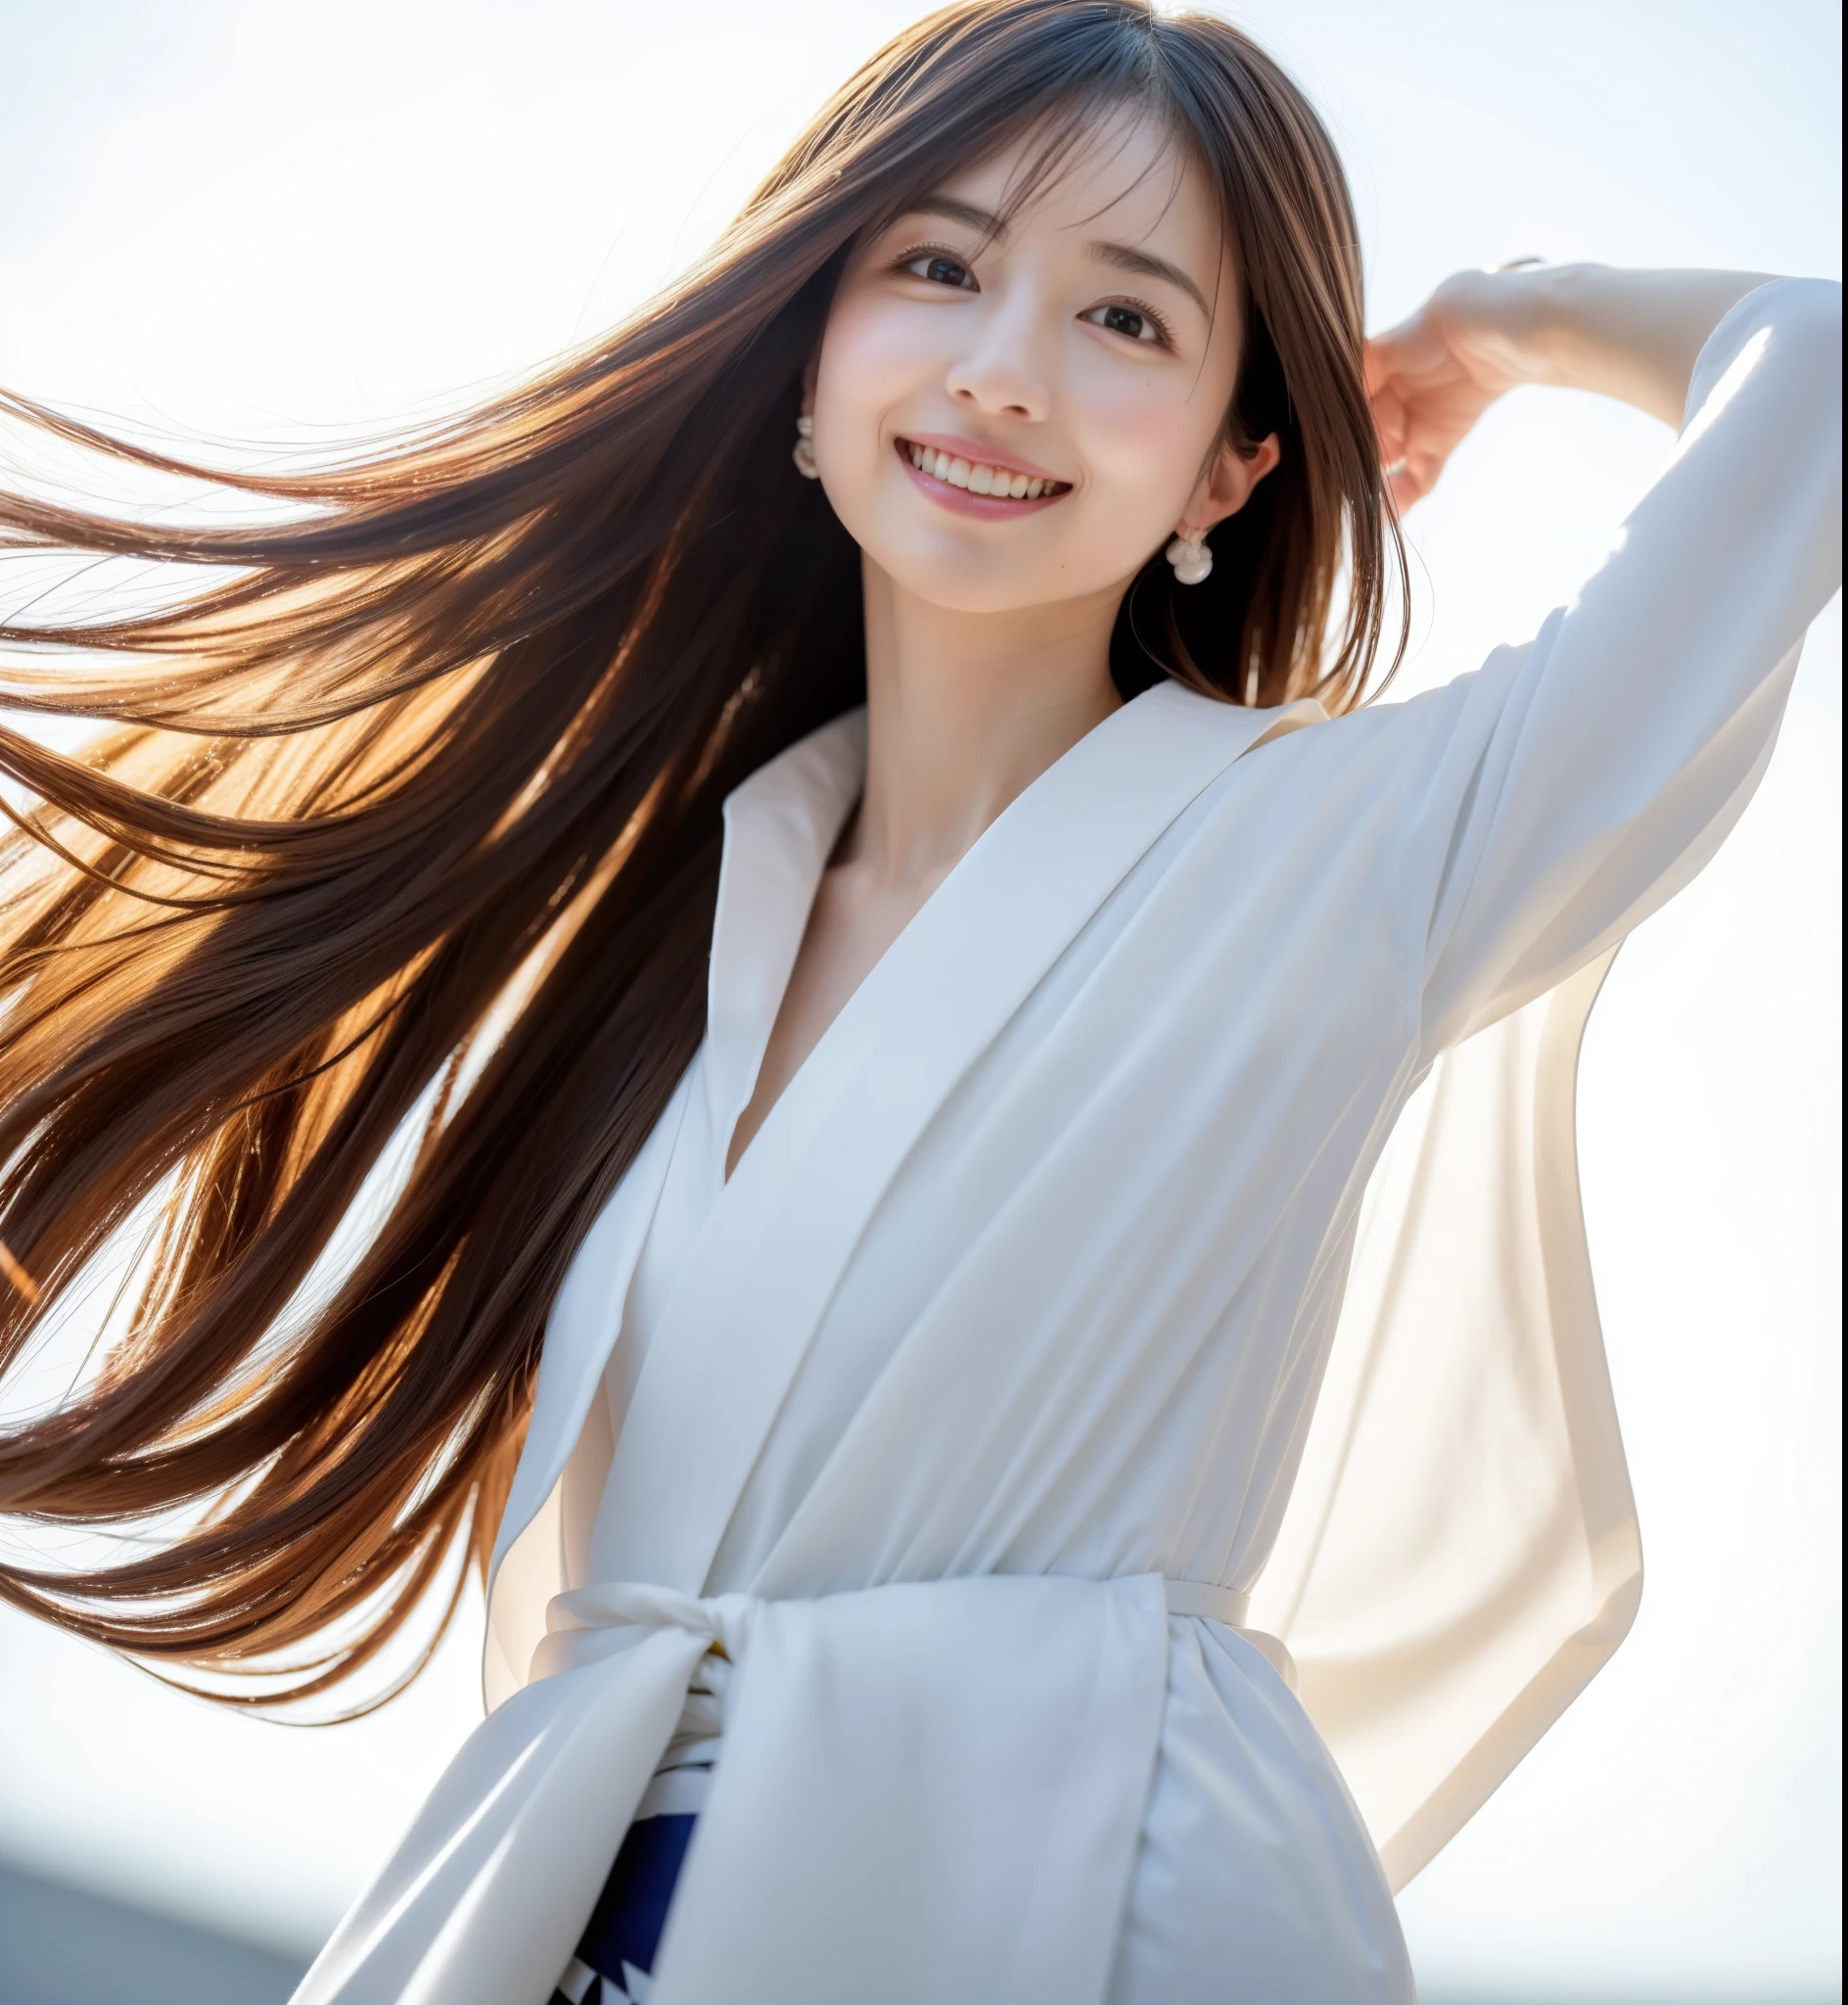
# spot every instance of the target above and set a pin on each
(1015, 331)
(989, 368)
(992, 1263)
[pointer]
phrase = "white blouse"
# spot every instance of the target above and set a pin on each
(1176, 1241)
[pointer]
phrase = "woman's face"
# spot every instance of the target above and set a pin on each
(1010, 417)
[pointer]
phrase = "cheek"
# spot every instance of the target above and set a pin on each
(1143, 435)
(862, 374)
(872, 353)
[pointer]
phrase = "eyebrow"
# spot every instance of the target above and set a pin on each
(1123, 257)
(1127, 257)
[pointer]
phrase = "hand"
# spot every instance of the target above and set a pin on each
(1430, 378)
(1632, 334)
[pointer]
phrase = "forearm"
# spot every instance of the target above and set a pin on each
(1630, 334)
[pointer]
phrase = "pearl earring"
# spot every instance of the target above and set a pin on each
(804, 452)
(1190, 557)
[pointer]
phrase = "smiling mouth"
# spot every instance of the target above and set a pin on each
(997, 483)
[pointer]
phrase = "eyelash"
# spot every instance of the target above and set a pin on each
(918, 251)
(1164, 333)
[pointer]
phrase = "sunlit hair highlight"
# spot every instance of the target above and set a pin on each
(406, 831)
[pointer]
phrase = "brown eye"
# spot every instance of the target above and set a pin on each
(1126, 320)
(941, 270)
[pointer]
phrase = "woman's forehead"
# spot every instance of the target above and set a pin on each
(1114, 174)
(1099, 170)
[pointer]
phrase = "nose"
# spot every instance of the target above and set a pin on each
(1004, 372)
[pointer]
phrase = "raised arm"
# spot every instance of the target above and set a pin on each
(1632, 334)
(1569, 787)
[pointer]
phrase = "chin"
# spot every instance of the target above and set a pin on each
(973, 572)
(990, 588)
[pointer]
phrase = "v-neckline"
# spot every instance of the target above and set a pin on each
(778, 1233)
(788, 785)
(782, 825)
(727, 1165)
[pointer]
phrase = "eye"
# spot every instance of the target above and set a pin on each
(939, 268)
(1137, 323)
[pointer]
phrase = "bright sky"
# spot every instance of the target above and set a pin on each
(258, 220)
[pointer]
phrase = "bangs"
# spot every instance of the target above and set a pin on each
(1088, 103)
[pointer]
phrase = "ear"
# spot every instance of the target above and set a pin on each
(810, 371)
(1227, 483)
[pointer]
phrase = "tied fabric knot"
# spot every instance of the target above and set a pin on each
(980, 1687)
(592, 1624)
(589, 1624)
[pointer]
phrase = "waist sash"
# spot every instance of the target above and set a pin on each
(929, 1789)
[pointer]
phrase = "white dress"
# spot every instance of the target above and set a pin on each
(1172, 1246)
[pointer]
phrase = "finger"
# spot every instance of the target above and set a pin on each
(1393, 358)
(1417, 473)
(1389, 423)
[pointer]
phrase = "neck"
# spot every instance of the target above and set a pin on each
(965, 711)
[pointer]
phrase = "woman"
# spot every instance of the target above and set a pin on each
(842, 826)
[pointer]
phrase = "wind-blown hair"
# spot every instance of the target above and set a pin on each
(409, 825)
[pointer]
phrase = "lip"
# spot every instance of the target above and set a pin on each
(960, 501)
(974, 451)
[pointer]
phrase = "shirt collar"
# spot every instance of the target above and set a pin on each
(781, 827)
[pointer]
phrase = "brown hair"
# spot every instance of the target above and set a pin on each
(409, 827)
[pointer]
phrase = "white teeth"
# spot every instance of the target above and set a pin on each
(978, 479)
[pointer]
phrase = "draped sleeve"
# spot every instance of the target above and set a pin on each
(1461, 1552)
(1572, 786)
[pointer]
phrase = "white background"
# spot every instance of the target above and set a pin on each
(257, 220)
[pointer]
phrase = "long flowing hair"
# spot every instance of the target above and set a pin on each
(401, 848)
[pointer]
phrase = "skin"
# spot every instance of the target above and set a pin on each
(988, 628)
(1632, 334)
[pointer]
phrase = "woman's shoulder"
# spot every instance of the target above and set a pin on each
(1361, 778)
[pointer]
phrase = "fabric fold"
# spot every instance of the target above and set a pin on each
(979, 1749)
(1460, 1555)
(506, 1859)
(776, 1242)
(1041, 1696)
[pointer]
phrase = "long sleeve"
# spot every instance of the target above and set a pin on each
(1570, 787)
